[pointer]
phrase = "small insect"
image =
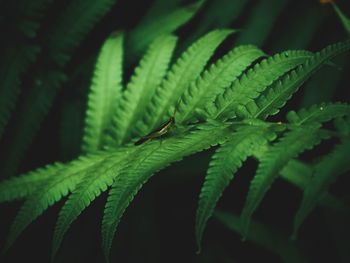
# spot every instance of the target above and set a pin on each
(163, 129)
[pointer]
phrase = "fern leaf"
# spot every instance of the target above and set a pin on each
(249, 86)
(224, 164)
(326, 171)
(155, 156)
(141, 88)
(300, 174)
(293, 143)
(185, 70)
(213, 81)
(76, 21)
(342, 17)
(14, 61)
(61, 181)
(276, 96)
(318, 113)
(104, 92)
(31, 13)
(32, 111)
(23, 186)
(90, 186)
(151, 27)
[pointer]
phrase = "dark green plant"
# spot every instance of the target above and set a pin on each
(219, 105)
(232, 102)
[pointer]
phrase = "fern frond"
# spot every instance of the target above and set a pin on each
(31, 13)
(213, 81)
(185, 70)
(268, 237)
(293, 143)
(319, 113)
(32, 112)
(151, 27)
(141, 88)
(300, 175)
(277, 95)
(60, 182)
(249, 86)
(155, 156)
(95, 181)
(342, 17)
(14, 61)
(326, 172)
(76, 21)
(105, 90)
(224, 164)
(23, 186)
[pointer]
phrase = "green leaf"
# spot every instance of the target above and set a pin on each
(343, 18)
(293, 143)
(224, 164)
(105, 90)
(319, 113)
(95, 181)
(25, 185)
(300, 175)
(154, 156)
(60, 182)
(326, 172)
(214, 80)
(277, 95)
(249, 85)
(185, 70)
(141, 88)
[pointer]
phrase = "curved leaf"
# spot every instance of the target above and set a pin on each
(277, 95)
(293, 143)
(224, 164)
(95, 181)
(326, 172)
(141, 88)
(50, 191)
(214, 80)
(185, 70)
(249, 85)
(319, 113)
(155, 156)
(104, 92)
(25, 185)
